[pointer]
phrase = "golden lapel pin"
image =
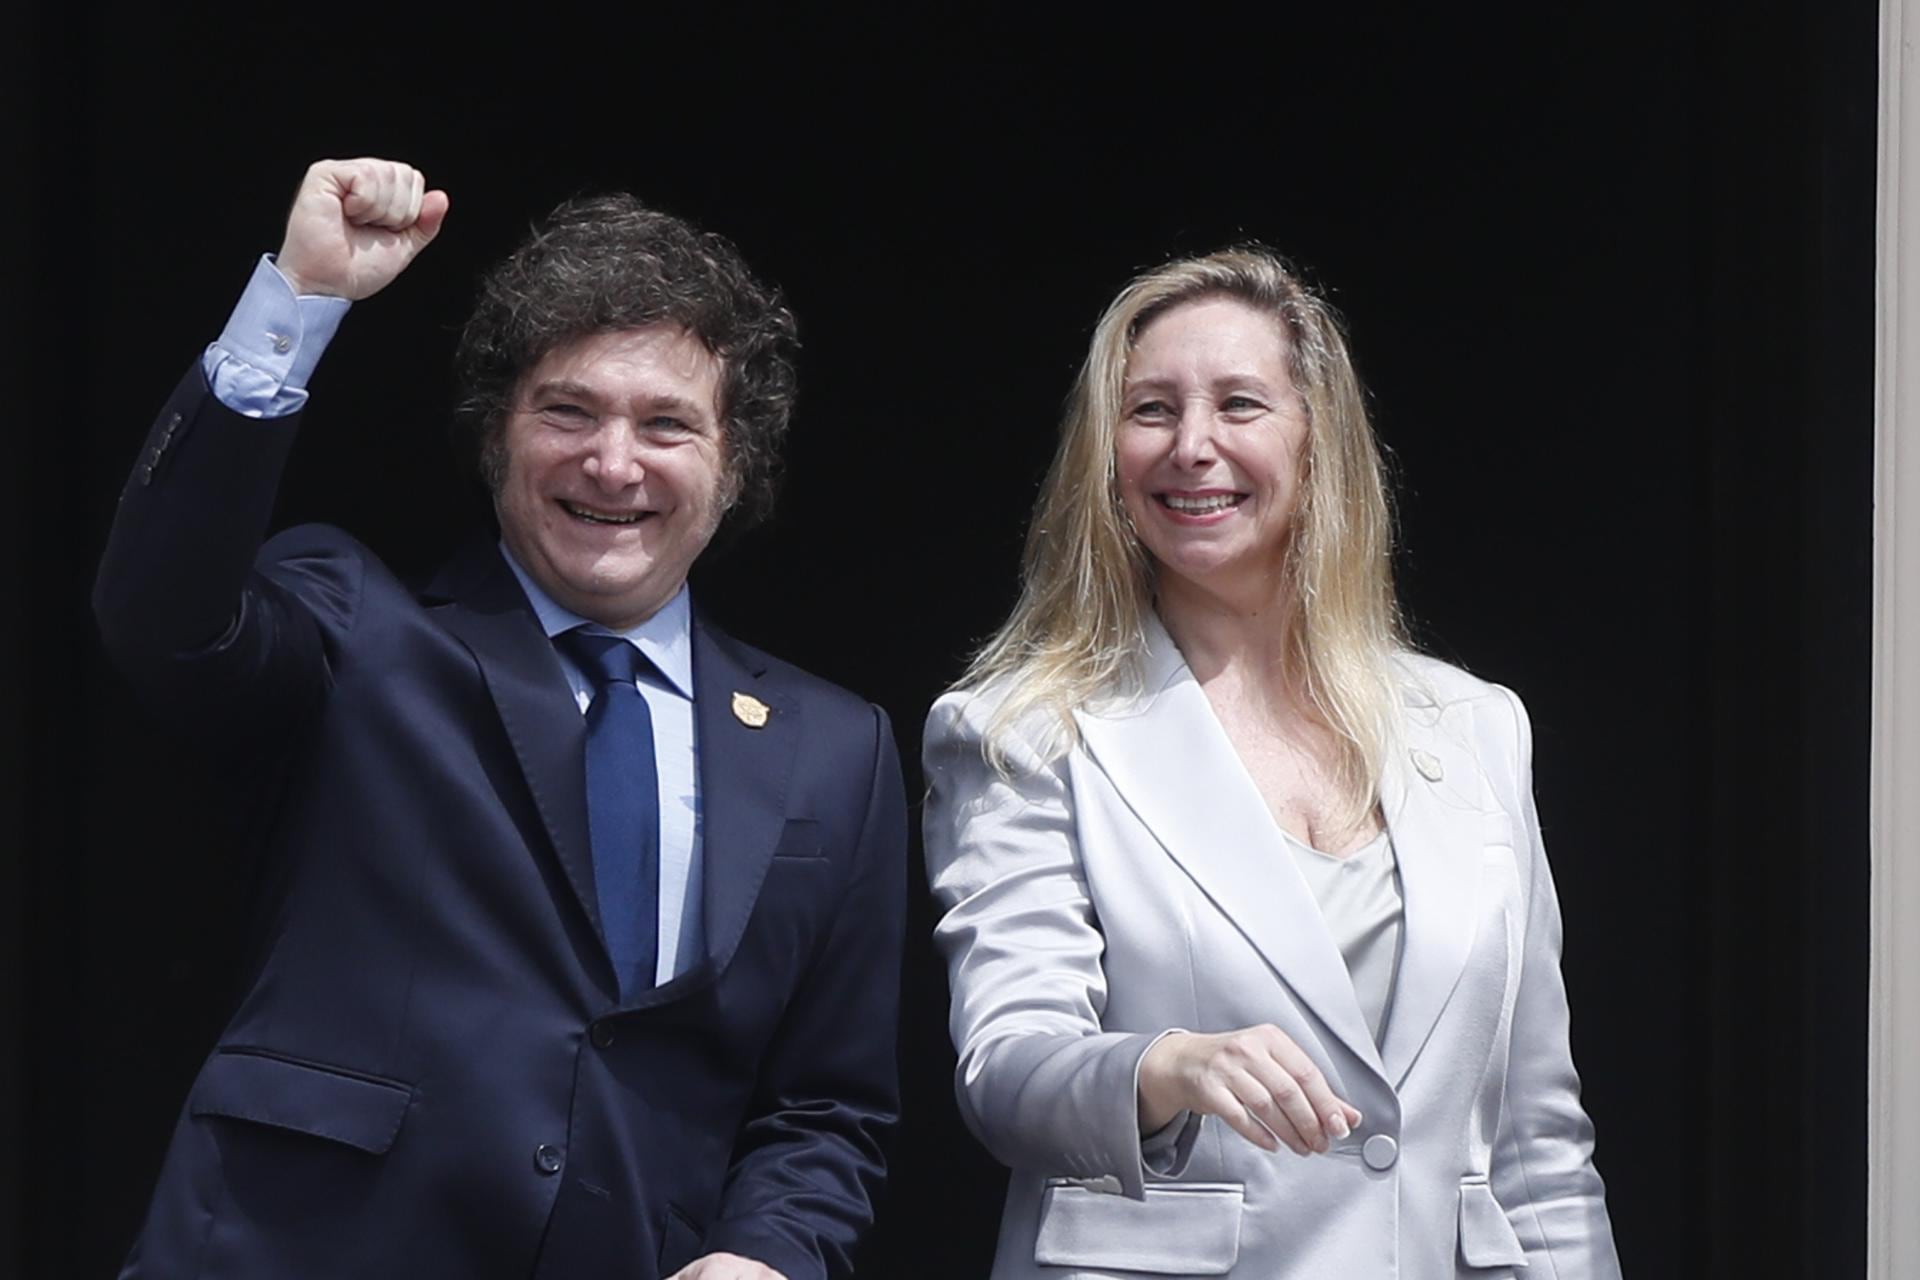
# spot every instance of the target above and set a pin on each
(749, 710)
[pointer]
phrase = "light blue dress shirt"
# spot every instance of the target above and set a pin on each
(259, 367)
(264, 358)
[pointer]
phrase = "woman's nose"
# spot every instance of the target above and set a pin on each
(1193, 437)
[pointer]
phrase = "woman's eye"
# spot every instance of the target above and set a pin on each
(1242, 404)
(1150, 409)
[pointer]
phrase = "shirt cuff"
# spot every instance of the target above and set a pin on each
(264, 358)
(1165, 1152)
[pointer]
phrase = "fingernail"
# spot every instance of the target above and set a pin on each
(1339, 1125)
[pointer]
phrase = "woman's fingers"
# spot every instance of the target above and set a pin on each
(1285, 1106)
(1238, 1114)
(1256, 1080)
(1333, 1114)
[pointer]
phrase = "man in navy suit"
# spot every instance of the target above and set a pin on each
(578, 948)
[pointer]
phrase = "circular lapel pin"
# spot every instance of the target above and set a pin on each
(749, 710)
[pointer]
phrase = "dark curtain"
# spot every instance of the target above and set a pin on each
(1609, 276)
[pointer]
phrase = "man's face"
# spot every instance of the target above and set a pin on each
(616, 472)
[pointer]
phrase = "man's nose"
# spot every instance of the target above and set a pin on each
(613, 456)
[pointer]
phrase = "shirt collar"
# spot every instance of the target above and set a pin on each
(666, 638)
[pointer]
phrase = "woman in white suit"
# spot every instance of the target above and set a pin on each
(1253, 946)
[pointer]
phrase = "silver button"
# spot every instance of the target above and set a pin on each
(281, 343)
(1380, 1151)
(1427, 764)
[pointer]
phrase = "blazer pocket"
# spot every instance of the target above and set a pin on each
(680, 1238)
(304, 1097)
(801, 841)
(1486, 1237)
(1183, 1228)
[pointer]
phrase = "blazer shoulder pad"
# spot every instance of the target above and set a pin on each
(968, 721)
(1427, 681)
(820, 696)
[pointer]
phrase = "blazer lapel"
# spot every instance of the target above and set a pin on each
(489, 614)
(1440, 830)
(1175, 767)
(745, 771)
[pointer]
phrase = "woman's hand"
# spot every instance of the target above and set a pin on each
(1256, 1079)
(726, 1266)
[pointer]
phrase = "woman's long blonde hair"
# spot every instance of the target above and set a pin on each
(1077, 633)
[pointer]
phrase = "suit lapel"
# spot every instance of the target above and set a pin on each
(1173, 764)
(1429, 796)
(489, 614)
(745, 770)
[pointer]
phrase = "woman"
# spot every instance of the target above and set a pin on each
(1226, 868)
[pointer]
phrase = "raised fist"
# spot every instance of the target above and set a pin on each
(356, 224)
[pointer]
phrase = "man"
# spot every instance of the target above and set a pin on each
(579, 946)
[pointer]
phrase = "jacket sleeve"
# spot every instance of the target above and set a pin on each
(212, 632)
(810, 1160)
(1543, 1172)
(1038, 1080)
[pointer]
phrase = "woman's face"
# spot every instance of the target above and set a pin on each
(1209, 445)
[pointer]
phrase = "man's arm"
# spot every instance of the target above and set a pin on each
(807, 1166)
(177, 598)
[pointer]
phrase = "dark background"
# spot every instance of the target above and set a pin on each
(1609, 275)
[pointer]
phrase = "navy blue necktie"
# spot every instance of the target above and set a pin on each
(623, 804)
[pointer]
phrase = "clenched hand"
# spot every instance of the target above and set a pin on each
(356, 224)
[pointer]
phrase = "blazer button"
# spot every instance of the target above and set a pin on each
(546, 1158)
(602, 1035)
(1380, 1152)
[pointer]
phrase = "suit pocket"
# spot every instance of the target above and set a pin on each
(1486, 1237)
(680, 1239)
(1188, 1229)
(801, 841)
(304, 1097)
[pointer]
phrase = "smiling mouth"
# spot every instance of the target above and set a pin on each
(1200, 505)
(591, 516)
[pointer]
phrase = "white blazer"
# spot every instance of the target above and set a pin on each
(1138, 883)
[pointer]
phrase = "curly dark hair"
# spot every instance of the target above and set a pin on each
(599, 264)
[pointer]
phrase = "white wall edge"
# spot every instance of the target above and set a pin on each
(1893, 1061)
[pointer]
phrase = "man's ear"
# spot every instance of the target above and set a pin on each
(731, 485)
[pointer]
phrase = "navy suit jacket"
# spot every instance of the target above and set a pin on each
(430, 1072)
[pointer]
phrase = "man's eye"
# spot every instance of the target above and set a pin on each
(665, 424)
(566, 414)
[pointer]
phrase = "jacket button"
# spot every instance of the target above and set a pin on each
(546, 1158)
(1380, 1152)
(602, 1035)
